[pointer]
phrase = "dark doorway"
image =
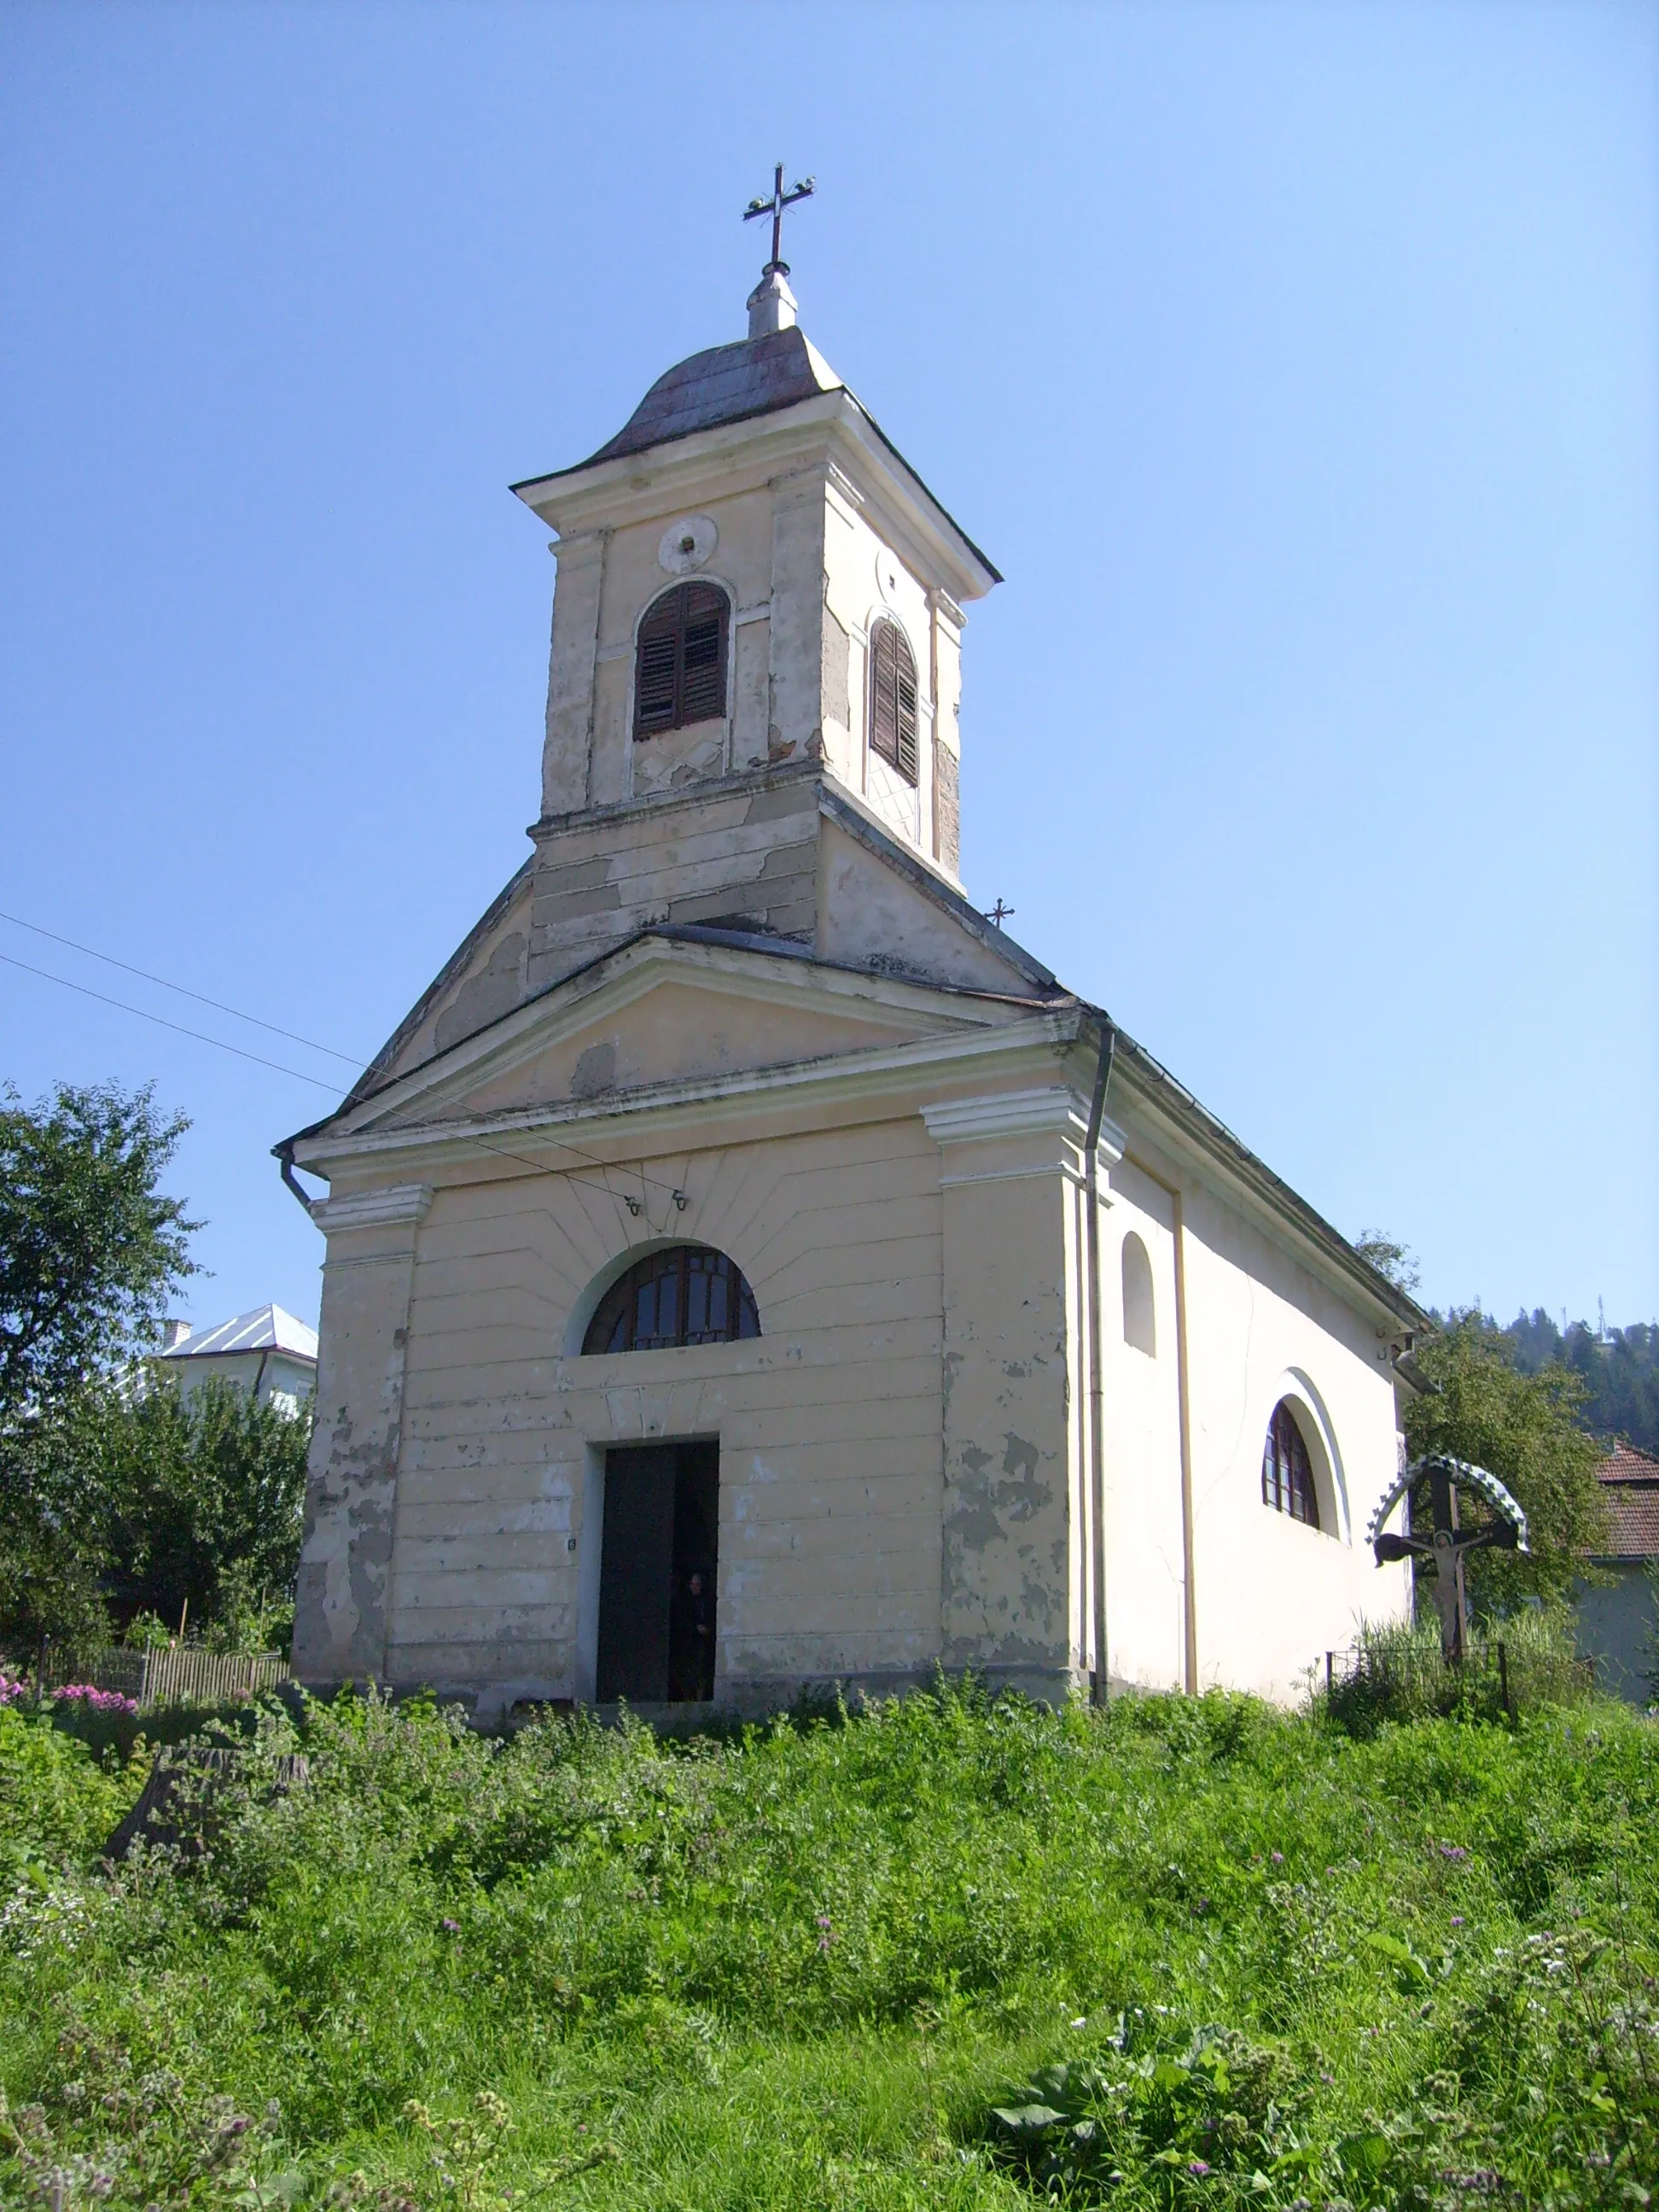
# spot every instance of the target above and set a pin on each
(657, 1568)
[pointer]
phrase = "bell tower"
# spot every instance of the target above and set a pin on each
(754, 591)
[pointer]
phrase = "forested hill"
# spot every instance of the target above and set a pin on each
(1620, 1371)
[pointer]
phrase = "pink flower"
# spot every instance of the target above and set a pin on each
(92, 1699)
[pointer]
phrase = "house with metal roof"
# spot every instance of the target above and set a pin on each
(1618, 1617)
(267, 1351)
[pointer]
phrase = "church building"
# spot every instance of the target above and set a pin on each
(747, 1268)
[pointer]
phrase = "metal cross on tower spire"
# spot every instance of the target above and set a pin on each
(775, 206)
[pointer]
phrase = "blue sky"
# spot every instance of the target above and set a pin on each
(1296, 364)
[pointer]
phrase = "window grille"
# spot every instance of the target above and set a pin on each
(1287, 1476)
(679, 672)
(893, 698)
(689, 1294)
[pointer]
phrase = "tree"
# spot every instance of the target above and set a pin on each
(1397, 1261)
(89, 1250)
(203, 1501)
(88, 1247)
(1524, 1430)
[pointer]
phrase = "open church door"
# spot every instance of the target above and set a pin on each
(657, 1566)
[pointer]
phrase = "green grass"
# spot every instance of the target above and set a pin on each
(1193, 1953)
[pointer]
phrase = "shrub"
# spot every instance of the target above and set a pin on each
(840, 1960)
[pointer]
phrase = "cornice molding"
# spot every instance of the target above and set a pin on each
(663, 1113)
(1052, 1109)
(387, 1208)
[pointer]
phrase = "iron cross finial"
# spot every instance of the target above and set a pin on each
(999, 914)
(775, 206)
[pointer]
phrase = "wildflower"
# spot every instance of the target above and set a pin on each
(1453, 1851)
(1200, 1906)
(1457, 1920)
(450, 1927)
(1197, 2166)
(1278, 1857)
(91, 1698)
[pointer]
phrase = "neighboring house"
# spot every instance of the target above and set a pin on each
(266, 1352)
(1617, 1622)
(748, 1267)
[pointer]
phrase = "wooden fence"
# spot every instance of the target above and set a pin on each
(182, 1676)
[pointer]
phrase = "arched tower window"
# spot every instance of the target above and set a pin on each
(679, 672)
(893, 698)
(1287, 1476)
(689, 1294)
(1140, 1321)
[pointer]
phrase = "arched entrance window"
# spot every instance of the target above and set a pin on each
(1287, 1476)
(689, 1294)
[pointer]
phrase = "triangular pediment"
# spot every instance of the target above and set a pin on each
(660, 1014)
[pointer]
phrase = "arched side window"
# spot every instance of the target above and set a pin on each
(689, 1294)
(1287, 1476)
(679, 672)
(1140, 1321)
(893, 698)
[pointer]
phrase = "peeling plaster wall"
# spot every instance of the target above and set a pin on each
(351, 1490)
(868, 914)
(1014, 1526)
(746, 856)
(830, 1425)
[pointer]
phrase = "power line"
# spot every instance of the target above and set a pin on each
(184, 991)
(332, 1089)
(201, 1036)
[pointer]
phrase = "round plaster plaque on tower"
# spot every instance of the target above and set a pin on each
(686, 544)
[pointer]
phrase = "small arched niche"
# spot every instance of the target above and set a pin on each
(678, 1295)
(1139, 1315)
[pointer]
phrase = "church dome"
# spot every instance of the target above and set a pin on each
(726, 383)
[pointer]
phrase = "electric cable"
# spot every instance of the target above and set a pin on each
(183, 989)
(334, 1091)
(201, 1036)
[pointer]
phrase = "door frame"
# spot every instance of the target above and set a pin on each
(590, 1553)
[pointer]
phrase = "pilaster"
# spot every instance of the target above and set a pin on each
(568, 751)
(340, 1612)
(796, 631)
(1014, 1523)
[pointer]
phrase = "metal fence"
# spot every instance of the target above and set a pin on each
(1400, 1677)
(183, 1675)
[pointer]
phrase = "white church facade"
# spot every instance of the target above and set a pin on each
(747, 1268)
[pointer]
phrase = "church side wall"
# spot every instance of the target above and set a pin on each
(1145, 1573)
(829, 1424)
(1273, 1596)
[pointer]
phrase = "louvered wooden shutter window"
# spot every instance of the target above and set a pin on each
(680, 673)
(893, 699)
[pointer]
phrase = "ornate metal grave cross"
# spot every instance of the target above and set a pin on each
(775, 206)
(1447, 1540)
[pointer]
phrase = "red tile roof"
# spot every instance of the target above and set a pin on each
(1632, 1478)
